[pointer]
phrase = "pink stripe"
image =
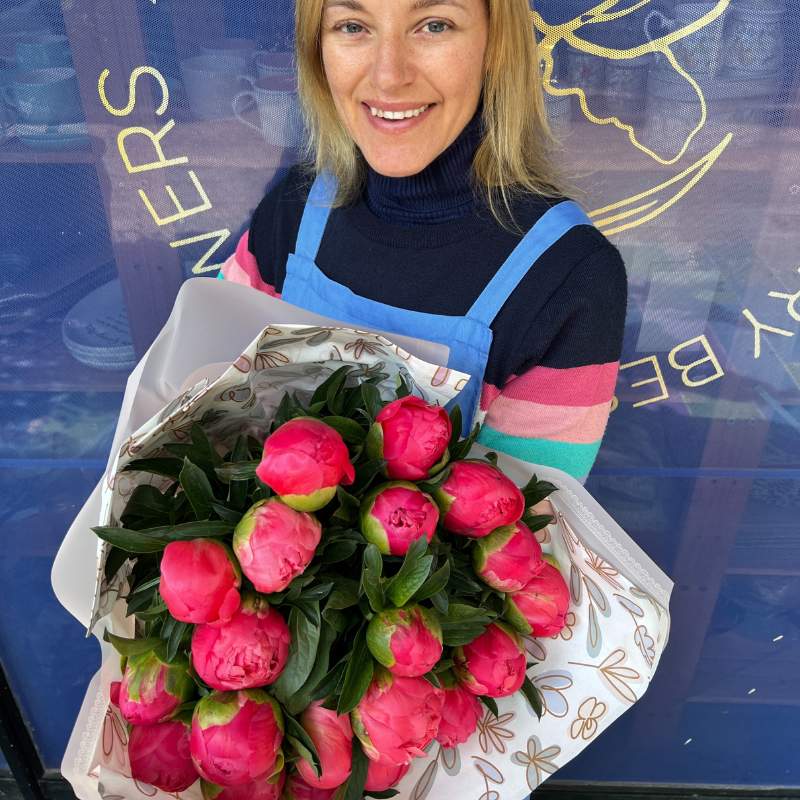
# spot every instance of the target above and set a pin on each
(574, 425)
(242, 268)
(488, 395)
(575, 386)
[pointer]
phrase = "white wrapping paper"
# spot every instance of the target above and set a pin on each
(229, 353)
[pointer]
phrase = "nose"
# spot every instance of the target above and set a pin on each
(392, 65)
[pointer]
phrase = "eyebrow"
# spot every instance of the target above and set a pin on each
(417, 5)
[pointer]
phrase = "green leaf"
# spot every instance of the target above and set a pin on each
(330, 681)
(179, 630)
(358, 674)
(334, 381)
(149, 612)
(371, 581)
(130, 647)
(441, 602)
(491, 457)
(372, 400)
(354, 788)
(152, 540)
(227, 514)
(114, 561)
(403, 389)
(302, 654)
(302, 743)
(490, 703)
(237, 471)
(303, 697)
(336, 552)
(412, 573)
(384, 795)
(344, 595)
(366, 473)
(237, 490)
(457, 421)
(533, 696)
(168, 467)
(463, 447)
(436, 583)
(432, 678)
(348, 506)
(197, 488)
(537, 521)
(464, 623)
(145, 506)
(535, 491)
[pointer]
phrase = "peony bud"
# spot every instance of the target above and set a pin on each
(274, 544)
(159, 755)
(260, 789)
(407, 641)
(542, 604)
(397, 717)
(476, 497)
(508, 557)
(298, 789)
(303, 462)
(249, 650)
(460, 716)
(333, 738)
(199, 581)
(151, 689)
(493, 664)
(382, 776)
(412, 436)
(236, 736)
(395, 514)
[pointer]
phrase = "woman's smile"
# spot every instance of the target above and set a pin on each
(398, 73)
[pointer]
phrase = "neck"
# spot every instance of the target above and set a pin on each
(440, 192)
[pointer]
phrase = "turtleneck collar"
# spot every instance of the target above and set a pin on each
(439, 193)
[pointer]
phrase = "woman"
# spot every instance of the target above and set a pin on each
(402, 228)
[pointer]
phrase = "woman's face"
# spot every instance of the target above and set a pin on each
(403, 55)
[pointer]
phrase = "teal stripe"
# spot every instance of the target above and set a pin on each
(574, 459)
(220, 276)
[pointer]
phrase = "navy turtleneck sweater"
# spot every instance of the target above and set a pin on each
(425, 242)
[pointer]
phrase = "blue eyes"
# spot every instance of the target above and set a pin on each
(343, 26)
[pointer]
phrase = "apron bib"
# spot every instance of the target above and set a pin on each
(469, 337)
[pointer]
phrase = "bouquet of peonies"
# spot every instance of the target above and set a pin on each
(319, 615)
(320, 589)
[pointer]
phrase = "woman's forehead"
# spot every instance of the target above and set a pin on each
(411, 5)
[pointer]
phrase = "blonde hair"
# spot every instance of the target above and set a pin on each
(516, 154)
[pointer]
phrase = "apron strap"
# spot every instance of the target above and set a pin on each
(315, 215)
(549, 228)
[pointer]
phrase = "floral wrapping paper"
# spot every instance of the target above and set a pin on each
(589, 674)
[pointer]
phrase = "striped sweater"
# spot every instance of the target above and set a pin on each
(425, 243)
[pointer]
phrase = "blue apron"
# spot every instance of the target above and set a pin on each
(469, 337)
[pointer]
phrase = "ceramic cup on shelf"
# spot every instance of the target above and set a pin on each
(700, 51)
(273, 63)
(755, 42)
(211, 82)
(39, 51)
(44, 96)
(280, 121)
(241, 50)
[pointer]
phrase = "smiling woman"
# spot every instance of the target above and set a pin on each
(427, 202)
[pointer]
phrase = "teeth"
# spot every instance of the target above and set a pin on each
(415, 112)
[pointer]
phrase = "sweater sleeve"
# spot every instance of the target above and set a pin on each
(555, 412)
(242, 268)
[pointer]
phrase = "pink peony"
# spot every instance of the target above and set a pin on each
(259, 789)
(476, 497)
(382, 775)
(412, 436)
(247, 651)
(303, 462)
(298, 789)
(199, 581)
(236, 736)
(407, 641)
(397, 717)
(275, 543)
(333, 738)
(151, 689)
(460, 716)
(493, 664)
(542, 603)
(395, 514)
(113, 692)
(508, 557)
(159, 755)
